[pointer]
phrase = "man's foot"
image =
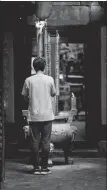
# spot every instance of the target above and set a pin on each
(36, 171)
(45, 171)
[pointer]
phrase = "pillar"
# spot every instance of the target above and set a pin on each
(2, 144)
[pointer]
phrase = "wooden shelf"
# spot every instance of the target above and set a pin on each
(75, 76)
(75, 84)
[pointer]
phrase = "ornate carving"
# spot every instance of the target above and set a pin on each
(40, 25)
(53, 15)
(64, 14)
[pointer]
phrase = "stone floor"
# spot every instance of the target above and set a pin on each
(84, 174)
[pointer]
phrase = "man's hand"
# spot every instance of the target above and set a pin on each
(53, 94)
(26, 131)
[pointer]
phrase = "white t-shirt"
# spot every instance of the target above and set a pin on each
(39, 89)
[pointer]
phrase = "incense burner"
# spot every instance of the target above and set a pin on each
(62, 135)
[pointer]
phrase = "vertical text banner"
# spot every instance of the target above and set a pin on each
(49, 54)
(46, 50)
(57, 64)
(57, 71)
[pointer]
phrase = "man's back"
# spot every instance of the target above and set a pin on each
(40, 88)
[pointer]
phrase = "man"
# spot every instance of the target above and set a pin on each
(39, 90)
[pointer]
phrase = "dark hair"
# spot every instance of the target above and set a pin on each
(39, 64)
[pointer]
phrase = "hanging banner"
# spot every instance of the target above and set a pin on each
(57, 64)
(49, 55)
(46, 50)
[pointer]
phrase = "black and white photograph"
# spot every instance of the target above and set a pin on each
(53, 95)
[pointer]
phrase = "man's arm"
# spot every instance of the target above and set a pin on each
(25, 91)
(53, 90)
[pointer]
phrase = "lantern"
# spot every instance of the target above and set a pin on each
(96, 12)
(43, 9)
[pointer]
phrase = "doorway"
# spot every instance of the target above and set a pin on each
(82, 82)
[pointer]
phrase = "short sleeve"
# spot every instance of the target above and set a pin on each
(25, 90)
(53, 90)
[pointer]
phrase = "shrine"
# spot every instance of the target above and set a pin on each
(72, 37)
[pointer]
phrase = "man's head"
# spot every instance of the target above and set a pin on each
(39, 64)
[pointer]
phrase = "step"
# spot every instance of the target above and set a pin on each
(81, 149)
(59, 153)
